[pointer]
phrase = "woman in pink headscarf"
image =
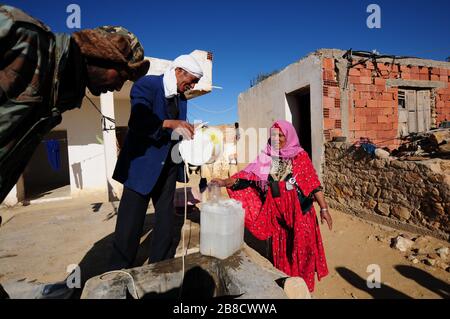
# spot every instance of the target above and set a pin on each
(277, 192)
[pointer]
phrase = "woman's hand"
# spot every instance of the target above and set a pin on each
(325, 216)
(223, 182)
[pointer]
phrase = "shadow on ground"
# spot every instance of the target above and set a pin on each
(425, 279)
(385, 292)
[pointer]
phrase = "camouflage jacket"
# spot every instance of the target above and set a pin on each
(37, 66)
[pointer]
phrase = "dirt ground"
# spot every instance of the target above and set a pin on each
(39, 242)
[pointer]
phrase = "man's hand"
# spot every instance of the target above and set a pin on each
(181, 127)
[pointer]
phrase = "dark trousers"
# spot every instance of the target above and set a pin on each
(131, 216)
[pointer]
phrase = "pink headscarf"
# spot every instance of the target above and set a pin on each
(261, 166)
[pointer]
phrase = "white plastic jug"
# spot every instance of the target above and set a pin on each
(221, 227)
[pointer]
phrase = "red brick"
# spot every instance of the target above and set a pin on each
(423, 70)
(415, 69)
(383, 119)
(354, 72)
(328, 102)
(365, 80)
(328, 75)
(366, 72)
(337, 103)
(371, 119)
(328, 63)
(443, 78)
(424, 77)
(435, 77)
(372, 103)
(435, 71)
(406, 76)
(387, 96)
(387, 104)
(380, 81)
(415, 76)
(444, 72)
(370, 66)
(405, 69)
(329, 123)
(360, 103)
(354, 79)
(334, 92)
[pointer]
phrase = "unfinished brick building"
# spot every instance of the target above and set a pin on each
(353, 95)
(334, 93)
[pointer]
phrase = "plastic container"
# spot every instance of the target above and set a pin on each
(221, 226)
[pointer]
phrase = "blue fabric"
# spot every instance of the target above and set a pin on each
(53, 154)
(147, 144)
(369, 148)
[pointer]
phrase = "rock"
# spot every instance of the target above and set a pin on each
(402, 243)
(381, 153)
(401, 212)
(442, 265)
(433, 256)
(379, 163)
(383, 209)
(413, 259)
(429, 261)
(421, 241)
(443, 252)
(372, 190)
(399, 165)
(296, 288)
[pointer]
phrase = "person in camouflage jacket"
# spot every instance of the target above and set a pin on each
(43, 74)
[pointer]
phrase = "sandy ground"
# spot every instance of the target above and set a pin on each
(39, 242)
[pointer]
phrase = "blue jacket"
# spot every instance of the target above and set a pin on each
(147, 144)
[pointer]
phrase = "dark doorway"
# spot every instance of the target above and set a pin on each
(300, 105)
(45, 175)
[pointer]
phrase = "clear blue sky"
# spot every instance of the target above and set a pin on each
(249, 37)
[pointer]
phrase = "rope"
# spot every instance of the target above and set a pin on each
(184, 228)
(104, 117)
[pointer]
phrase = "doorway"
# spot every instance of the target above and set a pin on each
(47, 175)
(300, 105)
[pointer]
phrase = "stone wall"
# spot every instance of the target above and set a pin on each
(409, 195)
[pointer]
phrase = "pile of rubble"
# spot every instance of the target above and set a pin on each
(435, 143)
(421, 249)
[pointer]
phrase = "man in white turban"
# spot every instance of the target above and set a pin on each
(145, 166)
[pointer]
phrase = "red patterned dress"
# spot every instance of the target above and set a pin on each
(296, 240)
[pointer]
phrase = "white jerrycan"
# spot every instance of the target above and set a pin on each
(221, 225)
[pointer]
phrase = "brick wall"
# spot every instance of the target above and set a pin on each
(372, 106)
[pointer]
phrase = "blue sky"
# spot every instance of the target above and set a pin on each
(249, 37)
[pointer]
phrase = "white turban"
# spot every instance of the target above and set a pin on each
(189, 64)
(185, 62)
